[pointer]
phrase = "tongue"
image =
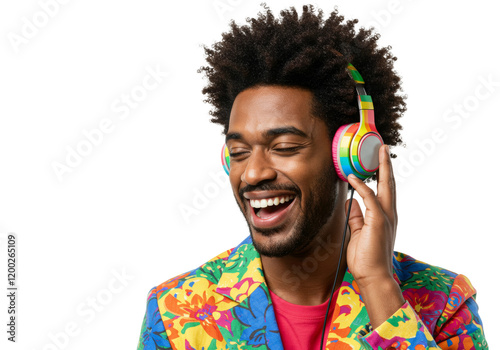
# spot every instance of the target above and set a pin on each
(267, 212)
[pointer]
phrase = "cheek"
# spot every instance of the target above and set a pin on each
(235, 182)
(316, 180)
(306, 171)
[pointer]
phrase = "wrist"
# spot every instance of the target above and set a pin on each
(382, 299)
(374, 281)
(378, 288)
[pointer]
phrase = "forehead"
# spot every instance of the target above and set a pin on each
(259, 109)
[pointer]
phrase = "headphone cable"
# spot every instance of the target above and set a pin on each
(338, 265)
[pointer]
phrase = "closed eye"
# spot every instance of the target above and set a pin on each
(236, 154)
(280, 150)
(288, 149)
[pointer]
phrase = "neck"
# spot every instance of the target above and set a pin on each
(307, 278)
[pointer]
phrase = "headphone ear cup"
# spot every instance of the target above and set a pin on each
(340, 150)
(225, 159)
(366, 151)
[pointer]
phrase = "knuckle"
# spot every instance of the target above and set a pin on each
(370, 193)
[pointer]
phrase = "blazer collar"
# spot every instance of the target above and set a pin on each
(243, 274)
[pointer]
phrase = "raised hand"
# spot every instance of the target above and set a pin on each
(370, 249)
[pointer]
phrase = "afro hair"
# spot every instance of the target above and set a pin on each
(307, 52)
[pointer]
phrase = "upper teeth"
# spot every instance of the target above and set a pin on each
(267, 202)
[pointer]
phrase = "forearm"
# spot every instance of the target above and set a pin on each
(382, 299)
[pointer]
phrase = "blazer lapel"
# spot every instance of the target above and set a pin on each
(250, 315)
(250, 318)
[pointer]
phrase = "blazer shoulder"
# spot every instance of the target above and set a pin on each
(416, 273)
(209, 272)
(435, 293)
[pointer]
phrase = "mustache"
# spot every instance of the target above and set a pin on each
(269, 187)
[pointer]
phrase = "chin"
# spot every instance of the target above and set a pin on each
(276, 243)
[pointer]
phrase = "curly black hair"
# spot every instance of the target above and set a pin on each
(311, 53)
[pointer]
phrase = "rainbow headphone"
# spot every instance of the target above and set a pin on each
(355, 146)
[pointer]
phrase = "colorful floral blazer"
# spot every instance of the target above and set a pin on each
(225, 304)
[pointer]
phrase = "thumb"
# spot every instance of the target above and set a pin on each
(356, 220)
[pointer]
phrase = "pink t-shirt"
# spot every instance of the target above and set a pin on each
(300, 326)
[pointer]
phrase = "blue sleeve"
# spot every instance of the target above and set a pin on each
(153, 335)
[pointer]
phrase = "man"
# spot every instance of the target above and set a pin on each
(281, 90)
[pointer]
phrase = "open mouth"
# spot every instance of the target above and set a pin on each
(268, 208)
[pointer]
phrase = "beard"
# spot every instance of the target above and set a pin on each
(318, 209)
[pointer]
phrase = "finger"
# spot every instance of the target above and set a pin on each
(386, 184)
(369, 199)
(356, 220)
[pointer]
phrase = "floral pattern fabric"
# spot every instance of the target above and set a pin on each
(225, 304)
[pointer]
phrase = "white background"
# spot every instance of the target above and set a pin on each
(119, 211)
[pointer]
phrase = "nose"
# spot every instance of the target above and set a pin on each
(258, 169)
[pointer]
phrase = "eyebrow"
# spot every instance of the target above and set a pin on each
(270, 133)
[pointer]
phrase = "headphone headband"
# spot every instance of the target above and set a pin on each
(353, 72)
